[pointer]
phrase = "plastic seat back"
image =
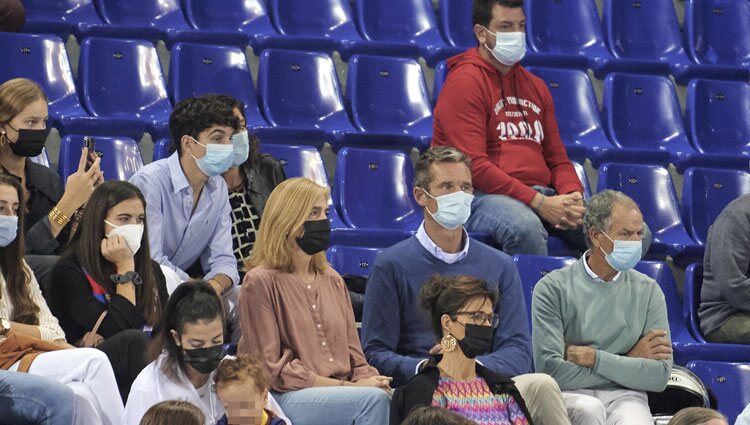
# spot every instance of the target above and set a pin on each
(386, 94)
(299, 161)
(441, 72)
(374, 189)
(412, 21)
(312, 18)
(640, 29)
(121, 78)
(718, 31)
(455, 22)
(718, 116)
(692, 291)
(43, 59)
(352, 260)
(120, 159)
(705, 194)
(662, 274)
(730, 382)
(531, 268)
(250, 16)
(136, 12)
(298, 89)
(642, 112)
(581, 171)
(567, 27)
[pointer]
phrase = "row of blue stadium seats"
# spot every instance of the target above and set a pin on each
(386, 105)
(634, 36)
(678, 230)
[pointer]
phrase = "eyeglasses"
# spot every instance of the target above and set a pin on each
(480, 317)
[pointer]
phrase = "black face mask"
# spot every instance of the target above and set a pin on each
(477, 340)
(30, 142)
(205, 360)
(317, 236)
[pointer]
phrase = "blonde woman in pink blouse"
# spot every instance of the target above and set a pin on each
(296, 316)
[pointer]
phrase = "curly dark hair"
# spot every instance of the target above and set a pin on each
(253, 157)
(481, 12)
(240, 369)
(197, 114)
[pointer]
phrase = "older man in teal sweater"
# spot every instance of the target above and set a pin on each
(599, 327)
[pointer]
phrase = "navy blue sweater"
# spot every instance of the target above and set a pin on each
(396, 331)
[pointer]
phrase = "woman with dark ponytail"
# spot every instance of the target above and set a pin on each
(461, 311)
(186, 352)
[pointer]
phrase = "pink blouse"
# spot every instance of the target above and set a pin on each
(300, 331)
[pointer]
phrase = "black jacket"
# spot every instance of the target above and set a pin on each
(262, 178)
(419, 390)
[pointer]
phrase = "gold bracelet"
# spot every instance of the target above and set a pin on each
(58, 217)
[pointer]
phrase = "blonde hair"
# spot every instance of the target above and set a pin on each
(15, 95)
(286, 211)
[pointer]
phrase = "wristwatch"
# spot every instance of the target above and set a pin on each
(5, 326)
(126, 277)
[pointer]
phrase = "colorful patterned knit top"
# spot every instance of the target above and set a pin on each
(475, 401)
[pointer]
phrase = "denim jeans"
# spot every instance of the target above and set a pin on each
(31, 399)
(336, 406)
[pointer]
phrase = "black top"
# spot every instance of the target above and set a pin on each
(45, 190)
(261, 179)
(419, 390)
(74, 305)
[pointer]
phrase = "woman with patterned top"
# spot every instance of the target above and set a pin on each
(250, 181)
(461, 311)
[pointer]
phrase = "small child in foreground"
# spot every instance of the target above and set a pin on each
(243, 389)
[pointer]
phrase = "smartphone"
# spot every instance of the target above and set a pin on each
(90, 143)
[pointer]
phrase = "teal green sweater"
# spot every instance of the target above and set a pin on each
(569, 307)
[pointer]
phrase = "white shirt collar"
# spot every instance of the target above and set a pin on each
(437, 252)
(591, 272)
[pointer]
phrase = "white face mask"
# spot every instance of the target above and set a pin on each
(453, 210)
(132, 233)
(510, 47)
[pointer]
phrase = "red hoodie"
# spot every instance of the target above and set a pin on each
(506, 125)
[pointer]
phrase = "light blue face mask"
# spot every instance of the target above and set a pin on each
(8, 229)
(453, 210)
(510, 47)
(241, 145)
(625, 254)
(217, 160)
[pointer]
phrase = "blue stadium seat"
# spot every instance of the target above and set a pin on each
(718, 34)
(352, 260)
(301, 99)
(584, 180)
(730, 382)
(705, 193)
(455, 23)
(407, 30)
(642, 116)
(373, 190)
(644, 35)
(143, 19)
(566, 34)
(43, 58)
(652, 189)
(441, 72)
(121, 156)
(198, 69)
(121, 80)
(717, 116)
(235, 22)
(531, 268)
(577, 112)
(389, 103)
(60, 17)
(299, 161)
(312, 24)
(162, 149)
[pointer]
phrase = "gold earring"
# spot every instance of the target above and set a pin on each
(448, 343)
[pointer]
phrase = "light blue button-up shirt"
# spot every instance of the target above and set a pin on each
(178, 236)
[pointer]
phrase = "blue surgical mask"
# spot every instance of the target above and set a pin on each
(241, 145)
(625, 254)
(217, 160)
(8, 229)
(510, 47)
(453, 210)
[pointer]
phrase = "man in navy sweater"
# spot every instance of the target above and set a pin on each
(396, 334)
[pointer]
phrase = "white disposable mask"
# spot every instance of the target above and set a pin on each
(132, 233)
(453, 210)
(510, 47)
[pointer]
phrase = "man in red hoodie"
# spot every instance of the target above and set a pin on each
(503, 118)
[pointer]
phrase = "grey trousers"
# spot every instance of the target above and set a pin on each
(736, 330)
